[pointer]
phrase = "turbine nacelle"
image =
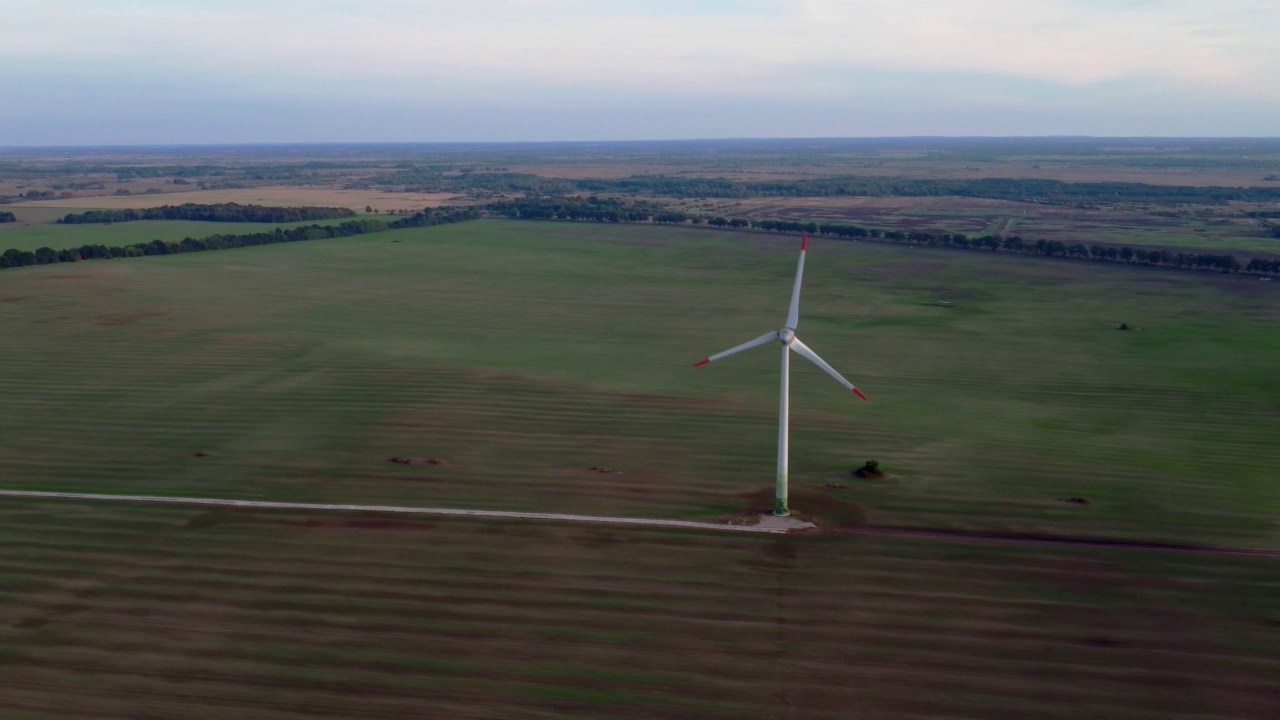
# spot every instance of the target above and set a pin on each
(786, 336)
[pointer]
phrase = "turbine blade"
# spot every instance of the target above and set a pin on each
(771, 335)
(804, 350)
(793, 314)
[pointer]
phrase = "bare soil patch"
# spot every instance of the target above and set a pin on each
(399, 460)
(816, 506)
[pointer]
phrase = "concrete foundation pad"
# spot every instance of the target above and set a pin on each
(770, 521)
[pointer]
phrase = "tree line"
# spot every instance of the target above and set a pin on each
(1015, 244)
(1263, 267)
(593, 208)
(220, 212)
(8, 217)
(1155, 257)
(425, 218)
(615, 210)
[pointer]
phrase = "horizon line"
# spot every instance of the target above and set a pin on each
(331, 143)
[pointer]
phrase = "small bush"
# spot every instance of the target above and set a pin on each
(869, 469)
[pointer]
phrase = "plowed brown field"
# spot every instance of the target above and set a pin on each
(127, 612)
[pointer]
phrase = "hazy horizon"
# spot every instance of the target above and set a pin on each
(872, 142)
(159, 72)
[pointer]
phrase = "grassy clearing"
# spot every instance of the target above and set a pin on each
(126, 612)
(522, 354)
(36, 230)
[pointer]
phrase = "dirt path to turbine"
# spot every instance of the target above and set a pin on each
(763, 527)
(767, 524)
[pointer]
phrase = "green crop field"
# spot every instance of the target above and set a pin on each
(522, 355)
(37, 228)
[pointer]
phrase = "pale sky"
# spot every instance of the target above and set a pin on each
(232, 71)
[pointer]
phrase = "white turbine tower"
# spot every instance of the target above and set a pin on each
(786, 336)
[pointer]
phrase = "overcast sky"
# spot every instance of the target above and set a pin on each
(228, 71)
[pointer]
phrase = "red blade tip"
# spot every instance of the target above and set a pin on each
(804, 244)
(702, 362)
(859, 392)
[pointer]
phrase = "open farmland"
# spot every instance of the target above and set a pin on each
(1218, 229)
(522, 354)
(133, 612)
(918, 166)
(975, 186)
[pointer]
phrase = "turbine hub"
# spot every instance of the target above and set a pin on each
(786, 335)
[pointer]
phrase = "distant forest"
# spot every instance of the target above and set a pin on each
(221, 212)
(1017, 189)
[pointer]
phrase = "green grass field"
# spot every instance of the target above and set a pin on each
(522, 354)
(37, 228)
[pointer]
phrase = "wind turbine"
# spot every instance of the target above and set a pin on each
(787, 337)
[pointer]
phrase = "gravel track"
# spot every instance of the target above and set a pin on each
(769, 527)
(768, 523)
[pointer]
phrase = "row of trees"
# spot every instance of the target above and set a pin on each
(594, 209)
(621, 211)
(1015, 244)
(8, 217)
(1263, 267)
(220, 212)
(613, 210)
(44, 256)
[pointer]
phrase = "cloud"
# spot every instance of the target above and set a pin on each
(702, 47)
(550, 54)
